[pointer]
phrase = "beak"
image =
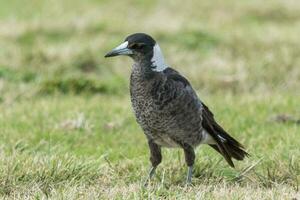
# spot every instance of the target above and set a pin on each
(122, 49)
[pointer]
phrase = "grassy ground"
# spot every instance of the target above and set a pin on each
(67, 130)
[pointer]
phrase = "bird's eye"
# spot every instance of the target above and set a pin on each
(137, 46)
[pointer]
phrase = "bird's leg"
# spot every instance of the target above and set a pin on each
(189, 159)
(155, 158)
(189, 175)
(151, 172)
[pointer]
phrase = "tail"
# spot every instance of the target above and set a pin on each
(227, 146)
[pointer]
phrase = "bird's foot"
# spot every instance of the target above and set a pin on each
(189, 176)
(150, 175)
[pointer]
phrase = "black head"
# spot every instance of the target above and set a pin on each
(134, 45)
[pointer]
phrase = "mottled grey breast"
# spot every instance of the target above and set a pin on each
(166, 107)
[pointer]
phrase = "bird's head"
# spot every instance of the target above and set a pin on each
(141, 47)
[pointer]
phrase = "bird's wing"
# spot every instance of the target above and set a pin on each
(181, 86)
(179, 101)
(181, 83)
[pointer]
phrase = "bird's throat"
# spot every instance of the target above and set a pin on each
(143, 70)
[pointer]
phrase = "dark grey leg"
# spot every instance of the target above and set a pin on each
(155, 158)
(189, 159)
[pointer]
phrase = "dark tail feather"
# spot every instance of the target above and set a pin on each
(224, 153)
(229, 152)
(226, 145)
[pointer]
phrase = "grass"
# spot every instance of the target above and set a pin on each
(67, 128)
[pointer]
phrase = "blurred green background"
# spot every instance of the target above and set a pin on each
(240, 47)
(66, 120)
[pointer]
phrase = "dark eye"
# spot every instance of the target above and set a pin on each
(137, 46)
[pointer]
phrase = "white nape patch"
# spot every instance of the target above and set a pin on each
(158, 61)
(206, 138)
(121, 46)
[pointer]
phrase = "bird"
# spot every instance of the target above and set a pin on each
(168, 109)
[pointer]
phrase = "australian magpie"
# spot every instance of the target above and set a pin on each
(168, 109)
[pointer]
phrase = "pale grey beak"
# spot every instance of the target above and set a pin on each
(122, 49)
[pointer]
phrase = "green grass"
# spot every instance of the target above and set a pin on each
(67, 128)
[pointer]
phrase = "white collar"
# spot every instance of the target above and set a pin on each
(158, 61)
